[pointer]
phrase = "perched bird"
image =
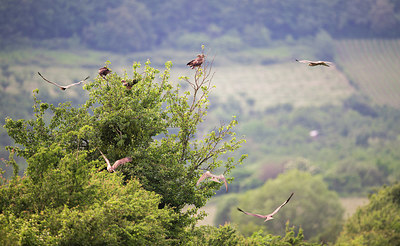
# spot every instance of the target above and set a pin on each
(60, 86)
(316, 63)
(268, 216)
(196, 62)
(214, 178)
(116, 164)
(104, 71)
(129, 85)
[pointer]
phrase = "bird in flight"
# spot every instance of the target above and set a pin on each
(316, 63)
(116, 164)
(196, 62)
(104, 71)
(128, 84)
(60, 86)
(215, 178)
(268, 216)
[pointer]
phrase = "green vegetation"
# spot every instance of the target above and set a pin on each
(126, 25)
(313, 206)
(63, 199)
(52, 192)
(377, 223)
(154, 123)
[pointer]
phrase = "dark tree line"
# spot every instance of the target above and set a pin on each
(141, 25)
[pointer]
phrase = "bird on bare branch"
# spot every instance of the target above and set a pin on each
(215, 178)
(61, 86)
(316, 63)
(116, 164)
(268, 216)
(196, 62)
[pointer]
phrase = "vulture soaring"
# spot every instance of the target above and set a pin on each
(116, 164)
(61, 86)
(214, 178)
(316, 63)
(268, 216)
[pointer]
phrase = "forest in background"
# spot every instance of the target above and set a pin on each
(125, 25)
(357, 118)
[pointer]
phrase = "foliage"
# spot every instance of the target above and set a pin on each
(354, 154)
(312, 206)
(155, 123)
(109, 214)
(142, 24)
(377, 223)
(228, 235)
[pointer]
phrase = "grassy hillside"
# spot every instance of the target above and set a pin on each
(373, 65)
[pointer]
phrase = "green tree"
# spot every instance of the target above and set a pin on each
(377, 223)
(155, 123)
(316, 209)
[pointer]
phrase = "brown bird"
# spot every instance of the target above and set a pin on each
(316, 63)
(104, 71)
(116, 164)
(196, 62)
(268, 216)
(60, 86)
(129, 85)
(214, 178)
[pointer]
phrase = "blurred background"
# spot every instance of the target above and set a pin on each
(331, 135)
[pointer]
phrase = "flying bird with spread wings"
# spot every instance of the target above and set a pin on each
(316, 63)
(196, 62)
(61, 86)
(104, 71)
(116, 164)
(215, 178)
(268, 216)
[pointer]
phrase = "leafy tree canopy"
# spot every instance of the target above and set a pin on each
(64, 199)
(377, 223)
(312, 206)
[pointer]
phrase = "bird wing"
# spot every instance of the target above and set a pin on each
(204, 176)
(77, 83)
(226, 184)
(326, 63)
(256, 215)
(304, 61)
(105, 158)
(283, 204)
(121, 162)
(60, 86)
(190, 63)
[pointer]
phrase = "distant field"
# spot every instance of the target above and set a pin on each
(374, 66)
(351, 204)
(257, 87)
(253, 87)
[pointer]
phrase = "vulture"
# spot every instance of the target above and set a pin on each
(316, 63)
(196, 62)
(104, 71)
(268, 216)
(61, 86)
(214, 178)
(116, 164)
